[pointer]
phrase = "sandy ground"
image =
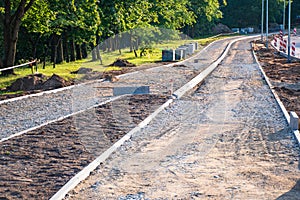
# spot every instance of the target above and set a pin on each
(228, 140)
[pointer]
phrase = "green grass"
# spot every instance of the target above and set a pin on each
(64, 70)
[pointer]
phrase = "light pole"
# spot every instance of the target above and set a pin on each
(283, 20)
(262, 20)
(267, 23)
(289, 34)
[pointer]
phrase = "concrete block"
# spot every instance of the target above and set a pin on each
(196, 45)
(184, 51)
(191, 48)
(178, 54)
(294, 121)
(131, 90)
(168, 55)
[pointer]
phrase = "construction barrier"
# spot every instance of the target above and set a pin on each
(284, 45)
(293, 48)
(275, 41)
(17, 66)
(281, 34)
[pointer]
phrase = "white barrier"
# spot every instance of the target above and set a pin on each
(17, 66)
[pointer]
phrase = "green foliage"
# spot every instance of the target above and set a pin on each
(245, 13)
(38, 18)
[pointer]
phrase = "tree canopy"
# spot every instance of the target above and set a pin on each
(58, 30)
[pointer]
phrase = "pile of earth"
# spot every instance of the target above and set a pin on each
(284, 76)
(83, 70)
(122, 63)
(221, 28)
(38, 82)
(111, 75)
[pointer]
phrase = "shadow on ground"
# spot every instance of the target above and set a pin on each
(294, 193)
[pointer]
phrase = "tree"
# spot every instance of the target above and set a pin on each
(11, 19)
(244, 13)
(207, 13)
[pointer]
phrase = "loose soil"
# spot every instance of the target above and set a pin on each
(285, 77)
(37, 164)
(122, 63)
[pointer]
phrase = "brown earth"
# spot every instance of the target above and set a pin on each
(37, 164)
(285, 77)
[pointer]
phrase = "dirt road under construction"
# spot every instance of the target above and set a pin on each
(227, 140)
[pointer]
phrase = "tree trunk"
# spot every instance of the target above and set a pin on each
(130, 41)
(11, 23)
(60, 51)
(66, 49)
(84, 50)
(78, 52)
(94, 54)
(72, 49)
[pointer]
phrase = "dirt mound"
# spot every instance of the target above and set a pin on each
(30, 82)
(54, 82)
(38, 82)
(83, 70)
(122, 63)
(221, 28)
(111, 75)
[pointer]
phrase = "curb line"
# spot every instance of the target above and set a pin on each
(279, 102)
(83, 174)
(59, 119)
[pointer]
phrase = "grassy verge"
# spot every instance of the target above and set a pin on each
(64, 70)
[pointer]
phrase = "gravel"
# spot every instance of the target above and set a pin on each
(20, 115)
(228, 140)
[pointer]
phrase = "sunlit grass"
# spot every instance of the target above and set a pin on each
(153, 54)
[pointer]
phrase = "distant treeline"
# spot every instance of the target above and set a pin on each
(64, 31)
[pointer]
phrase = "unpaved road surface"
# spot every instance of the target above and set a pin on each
(228, 140)
(37, 110)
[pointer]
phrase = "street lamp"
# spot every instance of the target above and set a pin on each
(289, 34)
(283, 20)
(267, 23)
(262, 20)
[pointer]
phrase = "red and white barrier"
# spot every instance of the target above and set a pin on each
(281, 34)
(284, 46)
(295, 31)
(293, 48)
(275, 41)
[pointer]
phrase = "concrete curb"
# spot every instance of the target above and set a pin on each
(59, 119)
(195, 81)
(82, 175)
(279, 102)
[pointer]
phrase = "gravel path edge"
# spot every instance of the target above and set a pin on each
(59, 119)
(278, 101)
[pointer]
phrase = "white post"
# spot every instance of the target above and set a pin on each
(289, 34)
(262, 20)
(283, 20)
(267, 24)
